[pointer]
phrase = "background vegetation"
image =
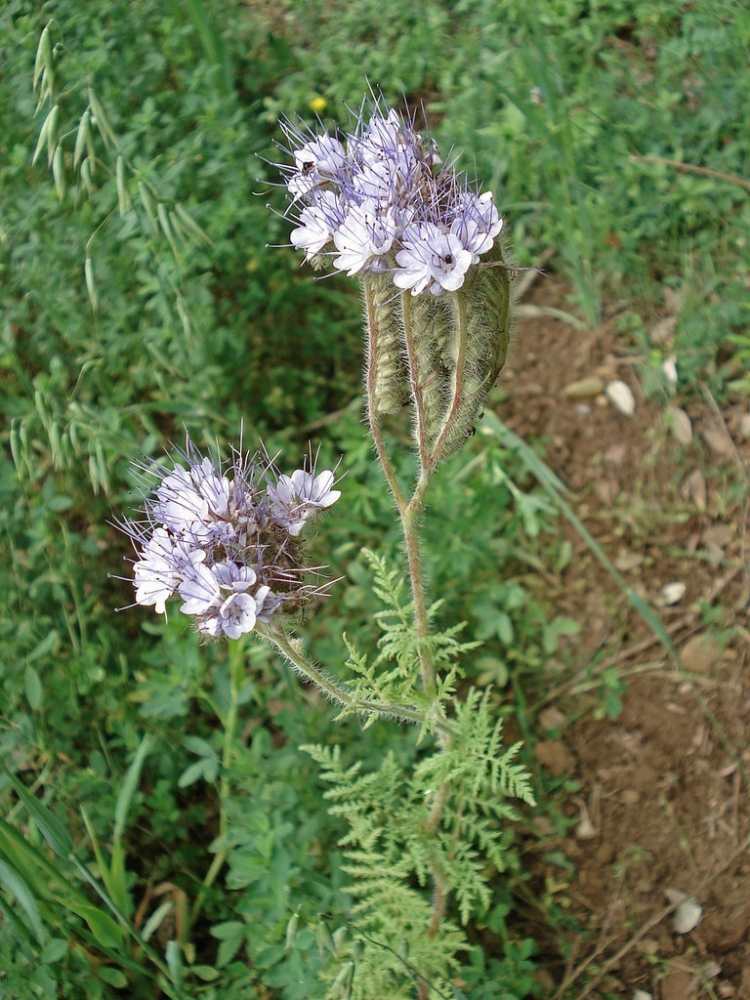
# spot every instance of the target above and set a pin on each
(112, 718)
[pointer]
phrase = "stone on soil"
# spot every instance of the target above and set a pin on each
(687, 916)
(584, 388)
(621, 397)
(680, 425)
(672, 593)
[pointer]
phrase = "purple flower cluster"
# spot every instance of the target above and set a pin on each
(226, 540)
(378, 199)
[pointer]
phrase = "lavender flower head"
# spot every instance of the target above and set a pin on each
(225, 540)
(379, 199)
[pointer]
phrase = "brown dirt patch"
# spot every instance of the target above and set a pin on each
(662, 801)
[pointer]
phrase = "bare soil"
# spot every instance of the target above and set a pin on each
(659, 802)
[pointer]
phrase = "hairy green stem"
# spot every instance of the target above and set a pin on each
(416, 579)
(300, 662)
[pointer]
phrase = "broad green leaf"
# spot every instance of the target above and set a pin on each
(192, 773)
(22, 932)
(118, 882)
(54, 950)
(115, 977)
(205, 972)
(33, 687)
(196, 745)
(102, 926)
(227, 930)
(30, 861)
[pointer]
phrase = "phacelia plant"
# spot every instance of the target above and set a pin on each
(227, 541)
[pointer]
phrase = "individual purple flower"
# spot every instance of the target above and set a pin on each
(318, 223)
(324, 154)
(477, 223)
(158, 571)
(296, 498)
(316, 162)
(199, 590)
(225, 541)
(233, 576)
(267, 603)
(365, 236)
(234, 617)
(431, 259)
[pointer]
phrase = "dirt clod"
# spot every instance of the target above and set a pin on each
(719, 442)
(555, 756)
(678, 985)
(700, 654)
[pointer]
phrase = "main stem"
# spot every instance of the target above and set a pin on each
(416, 579)
(409, 512)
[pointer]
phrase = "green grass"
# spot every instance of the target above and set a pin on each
(548, 107)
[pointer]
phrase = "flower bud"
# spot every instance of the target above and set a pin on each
(432, 321)
(479, 345)
(383, 316)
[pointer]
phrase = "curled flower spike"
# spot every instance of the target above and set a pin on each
(379, 204)
(225, 540)
(379, 200)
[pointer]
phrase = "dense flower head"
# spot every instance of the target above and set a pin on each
(380, 199)
(224, 539)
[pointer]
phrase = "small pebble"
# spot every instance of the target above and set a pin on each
(680, 425)
(642, 995)
(687, 916)
(672, 593)
(694, 488)
(584, 388)
(585, 829)
(620, 396)
(670, 370)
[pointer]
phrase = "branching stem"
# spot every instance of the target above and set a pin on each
(292, 651)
